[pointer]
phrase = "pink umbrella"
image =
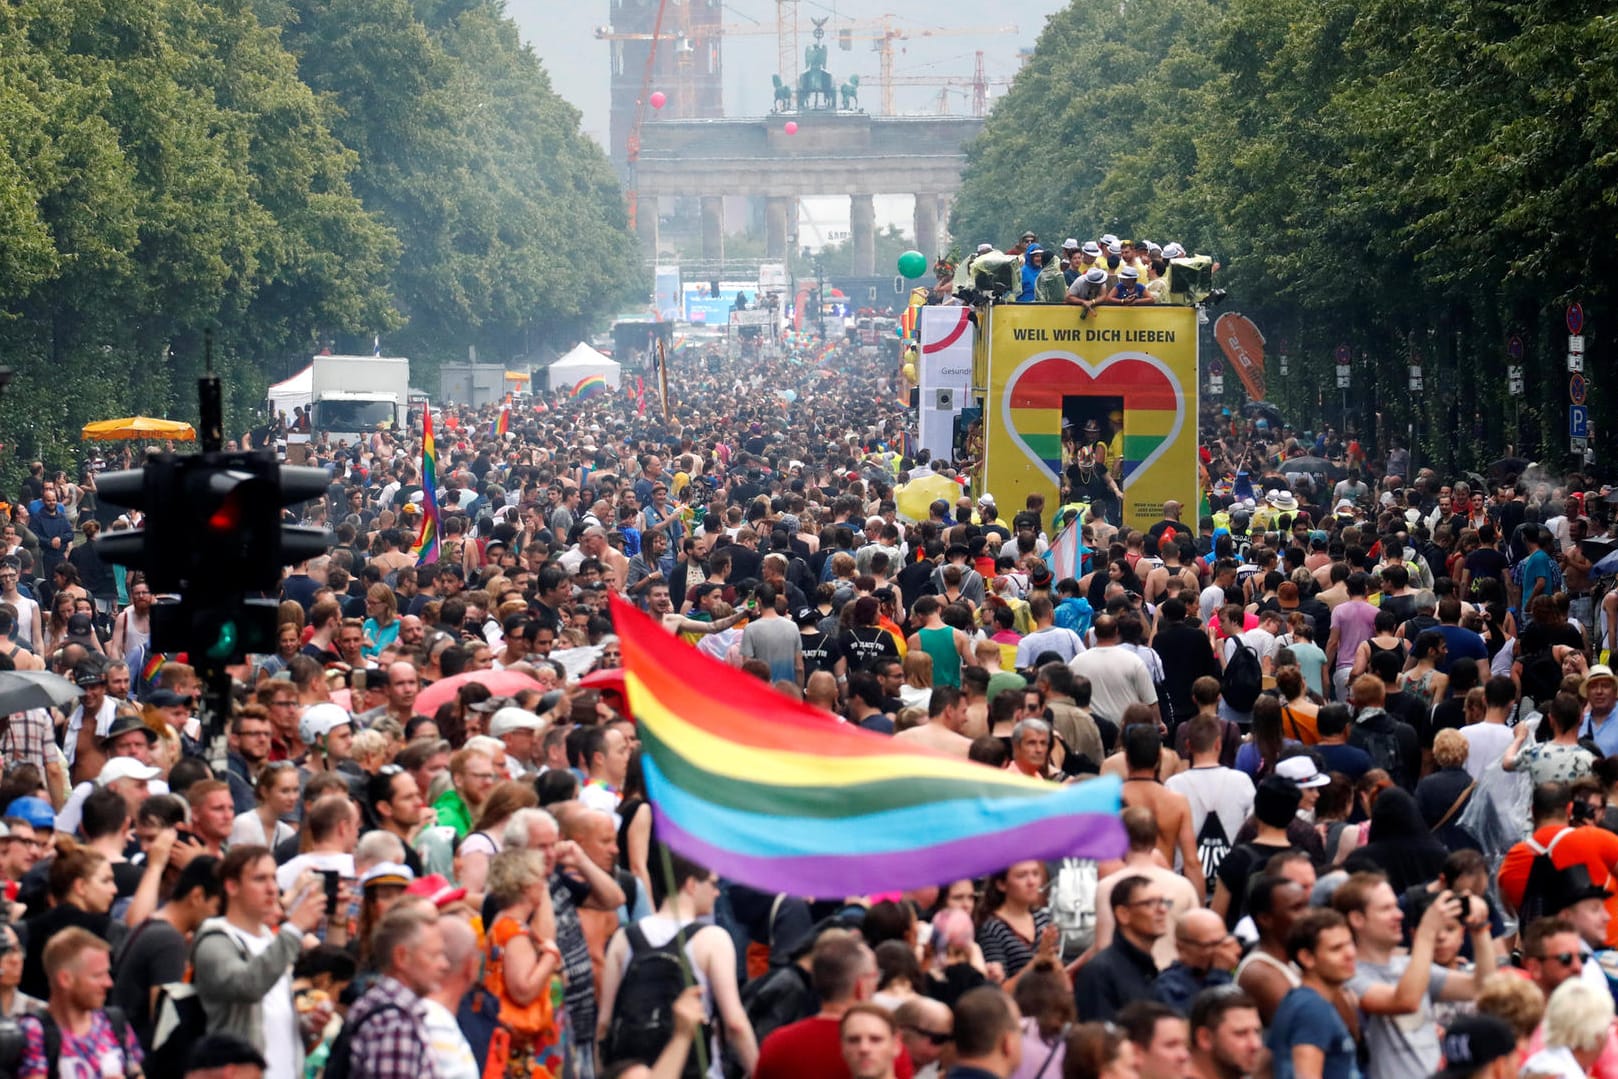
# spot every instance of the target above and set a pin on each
(500, 683)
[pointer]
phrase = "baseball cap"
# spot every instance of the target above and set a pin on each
(80, 626)
(319, 720)
(512, 718)
(126, 768)
(1302, 771)
(164, 698)
(806, 616)
(436, 888)
(388, 873)
(1473, 1042)
(35, 811)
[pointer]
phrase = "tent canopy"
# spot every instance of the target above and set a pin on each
(295, 391)
(582, 362)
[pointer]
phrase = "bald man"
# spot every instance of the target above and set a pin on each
(452, 1053)
(402, 685)
(1205, 954)
(821, 691)
(925, 1028)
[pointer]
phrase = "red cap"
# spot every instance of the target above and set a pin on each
(435, 887)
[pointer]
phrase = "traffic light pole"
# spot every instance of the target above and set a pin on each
(213, 538)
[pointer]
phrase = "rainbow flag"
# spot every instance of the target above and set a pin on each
(588, 387)
(426, 548)
(497, 426)
(770, 793)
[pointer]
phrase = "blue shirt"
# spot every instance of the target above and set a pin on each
(1604, 733)
(1535, 567)
(1307, 1018)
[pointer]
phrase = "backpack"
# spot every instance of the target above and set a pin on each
(1539, 893)
(1212, 844)
(13, 1040)
(1244, 677)
(1383, 748)
(1073, 904)
(340, 1058)
(643, 1012)
(178, 1020)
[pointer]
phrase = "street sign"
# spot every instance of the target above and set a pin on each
(1580, 444)
(1216, 368)
(1577, 389)
(1343, 354)
(1342, 380)
(1575, 342)
(1575, 361)
(1216, 384)
(1578, 421)
(1416, 382)
(1514, 387)
(1575, 318)
(1514, 347)
(1514, 373)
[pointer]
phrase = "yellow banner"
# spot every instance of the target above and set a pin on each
(1132, 371)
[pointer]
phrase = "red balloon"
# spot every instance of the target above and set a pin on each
(658, 99)
(791, 128)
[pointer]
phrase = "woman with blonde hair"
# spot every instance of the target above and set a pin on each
(1578, 1024)
(524, 964)
(917, 688)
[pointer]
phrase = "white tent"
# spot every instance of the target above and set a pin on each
(579, 364)
(295, 391)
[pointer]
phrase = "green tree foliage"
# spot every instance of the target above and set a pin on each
(280, 175)
(1417, 180)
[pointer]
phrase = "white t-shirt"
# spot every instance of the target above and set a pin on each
(248, 831)
(602, 797)
(26, 609)
(280, 1021)
(1261, 641)
(288, 874)
(1486, 743)
(1224, 791)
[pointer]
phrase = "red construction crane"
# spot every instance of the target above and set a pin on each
(632, 143)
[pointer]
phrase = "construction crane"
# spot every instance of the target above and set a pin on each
(881, 32)
(632, 143)
(976, 88)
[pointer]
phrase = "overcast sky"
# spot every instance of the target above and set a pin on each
(562, 32)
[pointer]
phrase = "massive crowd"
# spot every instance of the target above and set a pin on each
(1362, 719)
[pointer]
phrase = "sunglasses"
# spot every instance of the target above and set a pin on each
(934, 1036)
(1567, 959)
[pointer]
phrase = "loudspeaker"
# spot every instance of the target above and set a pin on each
(944, 400)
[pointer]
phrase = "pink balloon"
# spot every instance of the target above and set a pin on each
(791, 128)
(658, 99)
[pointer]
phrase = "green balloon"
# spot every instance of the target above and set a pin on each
(912, 264)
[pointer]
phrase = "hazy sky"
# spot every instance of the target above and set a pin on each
(562, 32)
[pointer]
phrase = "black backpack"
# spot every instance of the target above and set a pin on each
(13, 1040)
(1382, 746)
(643, 1012)
(1212, 844)
(1539, 893)
(339, 1059)
(1244, 677)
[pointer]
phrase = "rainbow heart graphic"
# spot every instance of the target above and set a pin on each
(1154, 406)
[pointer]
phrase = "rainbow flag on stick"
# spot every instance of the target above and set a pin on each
(589, 386)
(498, 425)
(773, 794)
(426, 548)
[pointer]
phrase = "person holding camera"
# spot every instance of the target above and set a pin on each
(1397, 989)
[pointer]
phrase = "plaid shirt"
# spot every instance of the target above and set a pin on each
(394, 1044)
(28, 737)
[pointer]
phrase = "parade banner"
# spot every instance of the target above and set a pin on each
(944, 367)
(1243, 346)
(1044, 365)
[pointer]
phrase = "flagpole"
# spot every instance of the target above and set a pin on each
(663, 379)
(672, 891)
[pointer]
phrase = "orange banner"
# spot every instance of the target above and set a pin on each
(1243, 346)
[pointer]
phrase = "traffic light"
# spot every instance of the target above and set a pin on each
(213, 534)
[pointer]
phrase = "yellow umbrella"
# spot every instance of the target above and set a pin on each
(136, 427)
(913, 499)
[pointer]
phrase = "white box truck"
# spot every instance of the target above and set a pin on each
(355, 395)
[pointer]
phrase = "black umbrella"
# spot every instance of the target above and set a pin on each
(22, 690)
(1315, 466)
(1507, 465)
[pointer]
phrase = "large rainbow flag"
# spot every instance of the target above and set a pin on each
(499, 425)
(426, 548)
(590, 386)
(770, 793)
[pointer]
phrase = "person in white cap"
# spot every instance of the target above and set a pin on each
(520, 730)
(1128, 292)
(1600, 693)
(328, 731)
